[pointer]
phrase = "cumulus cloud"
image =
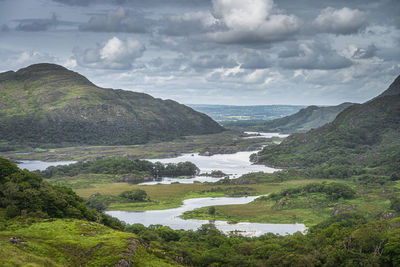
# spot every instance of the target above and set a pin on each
(119, 20)
(249, 21)
(312, 55)
(340, 21)
(34, 25)
(113, 54)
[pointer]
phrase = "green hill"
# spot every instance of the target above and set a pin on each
(305, 119)
(363, 135)
(49, 104)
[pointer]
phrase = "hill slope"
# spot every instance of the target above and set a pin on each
(364, 135)
(302, 121)
(49, 104)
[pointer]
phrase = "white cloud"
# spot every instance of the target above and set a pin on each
(250, 21)
(340, 21)
(113, 54)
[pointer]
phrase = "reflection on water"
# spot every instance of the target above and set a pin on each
(171, 218)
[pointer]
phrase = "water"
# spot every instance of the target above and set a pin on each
(235, 165)
(171, 218)
(33, 165)
(265, 135)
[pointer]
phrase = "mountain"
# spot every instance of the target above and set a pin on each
(229, 113)
(394, 88)
(302, 121)
(49, 104)
(363, 135)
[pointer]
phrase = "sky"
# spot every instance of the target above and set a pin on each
(234, 52)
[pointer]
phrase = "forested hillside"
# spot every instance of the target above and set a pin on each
(46, 104)
(363, 135)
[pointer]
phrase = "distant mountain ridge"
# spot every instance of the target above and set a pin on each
(363, 135)
(231, 113)
(49, 104)
(304, 120)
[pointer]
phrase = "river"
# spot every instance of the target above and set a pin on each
(235, 165)
(171, 218)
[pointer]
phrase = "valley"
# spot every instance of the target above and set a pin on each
(340, 177)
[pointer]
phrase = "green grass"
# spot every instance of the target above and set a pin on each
(310, 210)
(68, 242)
(172, 195)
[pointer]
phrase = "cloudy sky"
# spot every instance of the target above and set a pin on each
(238, 52)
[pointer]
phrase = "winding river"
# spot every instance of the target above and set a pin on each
(171, 218)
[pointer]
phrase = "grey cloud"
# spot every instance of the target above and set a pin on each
(212, 61)
(369, 52)
(188, 23)
(254, 60)
(4, 28)
(113, 54)
(140, 3)
(313, 55)
(340, 21)
(33, 25)
(119, 20)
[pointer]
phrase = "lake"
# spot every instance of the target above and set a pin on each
(33, 165)
(235, 165)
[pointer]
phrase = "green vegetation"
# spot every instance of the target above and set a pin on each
(48, 105)
(101, 202)
(302, 121)
(220, 143)
(25, 193)
(138, 169)
(303, 200)
(341, 241)
(71, 242)
(363, 139)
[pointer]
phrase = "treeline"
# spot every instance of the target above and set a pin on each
(343, 240)
(25, 193)
(334, 191)
(123, 166)
(101, 202)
